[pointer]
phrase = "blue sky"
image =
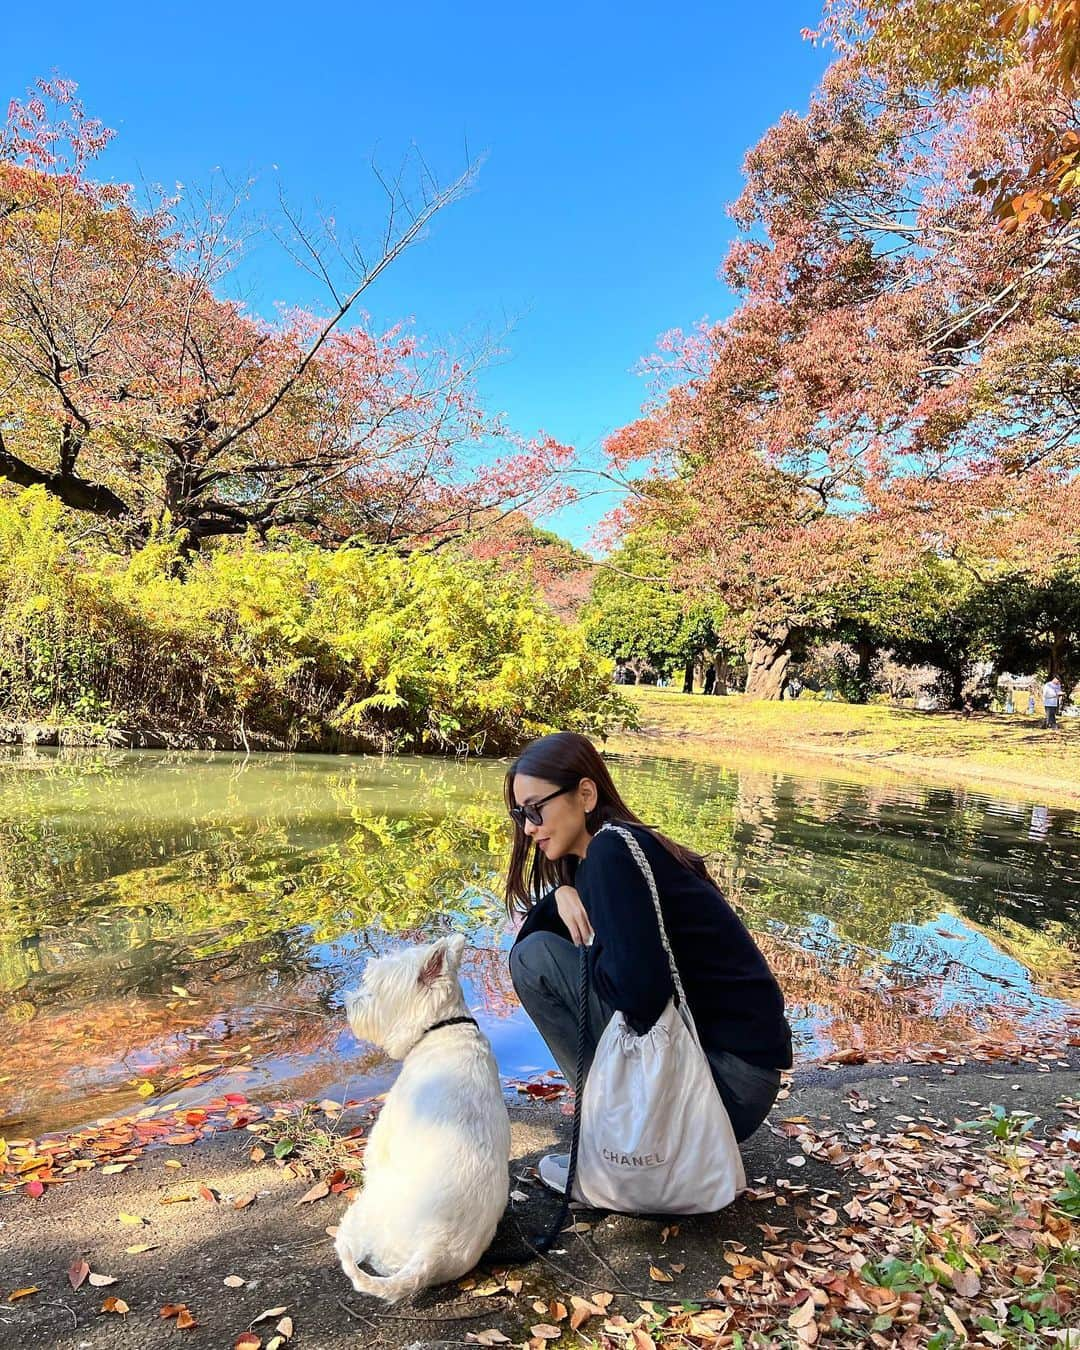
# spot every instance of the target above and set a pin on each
(613, 135)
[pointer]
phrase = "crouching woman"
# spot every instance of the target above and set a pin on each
(577, 885)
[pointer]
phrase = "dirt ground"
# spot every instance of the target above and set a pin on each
(281, 1251)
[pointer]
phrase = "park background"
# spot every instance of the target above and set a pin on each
(370, 405)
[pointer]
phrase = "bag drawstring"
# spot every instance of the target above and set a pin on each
(543, 1242)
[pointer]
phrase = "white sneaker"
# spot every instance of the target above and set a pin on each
(554, 1169)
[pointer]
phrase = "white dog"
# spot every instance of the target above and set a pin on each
(436, 1169)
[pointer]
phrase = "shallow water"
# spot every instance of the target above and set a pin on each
(175, 926)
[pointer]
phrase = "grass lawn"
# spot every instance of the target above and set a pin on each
(987, 746)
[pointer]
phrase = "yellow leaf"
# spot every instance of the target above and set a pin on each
(146, 1088)
(661, 1276)
(133, 1220)
(16, 1294)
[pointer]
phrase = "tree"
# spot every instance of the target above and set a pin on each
(898, 378)
(635, 614)
(131, 388)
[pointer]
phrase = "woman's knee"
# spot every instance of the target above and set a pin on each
(534, 957)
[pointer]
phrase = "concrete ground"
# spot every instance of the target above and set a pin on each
(282, 1253)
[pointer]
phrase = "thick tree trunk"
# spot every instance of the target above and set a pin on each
(867, 651)
(688, 678)
(957, 674)
(767, 658)
(720, 665)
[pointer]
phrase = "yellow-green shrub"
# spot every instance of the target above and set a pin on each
(421, 652)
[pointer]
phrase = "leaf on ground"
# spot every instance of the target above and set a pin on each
(803, 1314)
(234, 1282)
(111, 1168)
(17, 1294)
(660, 1276)
(257, 1154)
(270, 1312)
(172, 1162)
(77, 1273)
(100, 1281)
(285, 1327)
(543, 1331)
(955, 1322)
(35, 1189)
(133, 1220)
(141, 1247)
(146, 1088)
(184, 1320)
(172, 1309)
(490, 1337)
(247, 1341)
(115, 1305)
(242, 1201)
(208, 1194)
(317, 1192)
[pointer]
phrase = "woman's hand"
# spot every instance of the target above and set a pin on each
(572, 912)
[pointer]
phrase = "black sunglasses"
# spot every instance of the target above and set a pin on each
(532, 813)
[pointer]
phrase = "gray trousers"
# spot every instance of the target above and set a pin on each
(544, 969)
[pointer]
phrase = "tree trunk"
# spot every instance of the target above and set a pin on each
(688, 678)
(957, 674)
(1057, 653)
(720, 665)
(767, 658)
(867, 651)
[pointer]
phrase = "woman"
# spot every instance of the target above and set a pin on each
(575, 885)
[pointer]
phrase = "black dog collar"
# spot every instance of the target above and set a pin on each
(448, 1022)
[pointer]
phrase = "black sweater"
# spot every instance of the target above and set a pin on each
(733, 995)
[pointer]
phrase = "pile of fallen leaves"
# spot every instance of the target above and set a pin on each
(31, 1165)
(963, 1233)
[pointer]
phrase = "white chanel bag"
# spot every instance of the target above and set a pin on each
(655, 1135)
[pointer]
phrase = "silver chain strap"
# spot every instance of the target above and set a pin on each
(639, 857)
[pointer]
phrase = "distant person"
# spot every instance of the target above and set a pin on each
(710, 680)
(1052, 693)
(795, 687)
(1009, 706)
(1031, 703)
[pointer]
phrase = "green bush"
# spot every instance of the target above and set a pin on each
(292, 642)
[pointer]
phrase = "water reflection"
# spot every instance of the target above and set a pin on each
(185, 920)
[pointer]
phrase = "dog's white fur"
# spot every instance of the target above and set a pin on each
(436, 1169)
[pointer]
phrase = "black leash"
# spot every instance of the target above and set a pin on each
(543, 1242)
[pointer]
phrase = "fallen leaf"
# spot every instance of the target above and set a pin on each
(171, 1309)
(146, 1088)
(208, 1194)
(100, 1281)
(115, 1305)
(35, 1189)
(17, 1294)
(317, 1192)
(77, 1273)
(679, 1268)
(799, 1160)
(184, 1320)
(131, 1219)
(803, 1314)
(234, 1281)
(270, 1312)
(247, 1341)
(660, 1276)
(179, 989)
(285, 1327)
(111, 1168)
(489, 1337)
(544, 1331)
(141, 1247)
(172, 1162)
(257, 1154)
(955, 1323)
(242, 1201)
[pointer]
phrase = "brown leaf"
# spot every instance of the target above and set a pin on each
(803, 1314)
(77, 1273)
(242, 1201)
(234, 1281)
(660, 1276)
(285, 1327)
(955, 1323)
(247, 1341)
(208, 1194)
(544, 1331)
(490, 1337)
(184, 1320)
(100, 1281)
(17, 1294)
(317, 1192)
(966, 1283)
(115, 1305)
(642, 1340)
(171, 1309)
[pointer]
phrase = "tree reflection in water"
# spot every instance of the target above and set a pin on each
(182, 919)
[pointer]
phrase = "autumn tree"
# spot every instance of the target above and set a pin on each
(132, 388)
(898, 380)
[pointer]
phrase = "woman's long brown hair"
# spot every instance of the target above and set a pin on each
(564, 759)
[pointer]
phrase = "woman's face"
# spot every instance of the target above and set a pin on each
(563, 830)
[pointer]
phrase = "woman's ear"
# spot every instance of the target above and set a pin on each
(587, 794)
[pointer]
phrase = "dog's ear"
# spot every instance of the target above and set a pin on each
(434, 966)
(445, 957)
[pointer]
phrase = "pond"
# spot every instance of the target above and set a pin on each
(178, 926)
